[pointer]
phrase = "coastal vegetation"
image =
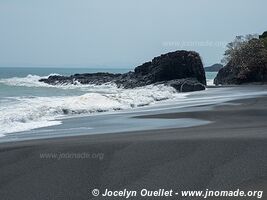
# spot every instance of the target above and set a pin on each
(246, 61)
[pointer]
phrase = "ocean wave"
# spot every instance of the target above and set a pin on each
(29, 113)
(210, 82)
(28, 81)
(33, 81)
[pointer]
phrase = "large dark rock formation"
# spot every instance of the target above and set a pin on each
(252, 70)
(228, 75)
(181, 69)
(232, 74)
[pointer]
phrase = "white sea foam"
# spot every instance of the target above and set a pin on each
(210, 82)
(28, 81)
(33, 81)
(29, 113)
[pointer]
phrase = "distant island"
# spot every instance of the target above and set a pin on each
(214, 68)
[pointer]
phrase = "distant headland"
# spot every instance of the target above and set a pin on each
(246, 61)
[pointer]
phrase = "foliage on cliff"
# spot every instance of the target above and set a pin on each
(246, 61)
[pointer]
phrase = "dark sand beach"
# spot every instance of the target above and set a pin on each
(138, 100)
(228, 154)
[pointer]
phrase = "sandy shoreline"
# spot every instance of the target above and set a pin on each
(228, 154)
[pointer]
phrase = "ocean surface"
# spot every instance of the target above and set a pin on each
(26, 103)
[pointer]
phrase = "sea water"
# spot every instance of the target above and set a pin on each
(26, 103)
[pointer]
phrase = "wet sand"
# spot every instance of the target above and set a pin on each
(228, 154)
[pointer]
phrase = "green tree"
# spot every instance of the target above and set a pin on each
(233, 48)
(248, 56)
(263, 37)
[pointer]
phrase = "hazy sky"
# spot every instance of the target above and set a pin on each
(121, 33)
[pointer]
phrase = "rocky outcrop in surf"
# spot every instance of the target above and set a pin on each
(182, 70)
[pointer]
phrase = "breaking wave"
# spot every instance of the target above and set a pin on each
(26, 113)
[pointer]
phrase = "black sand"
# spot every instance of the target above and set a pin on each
(228, 154)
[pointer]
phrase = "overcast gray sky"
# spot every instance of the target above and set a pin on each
(121, 33)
